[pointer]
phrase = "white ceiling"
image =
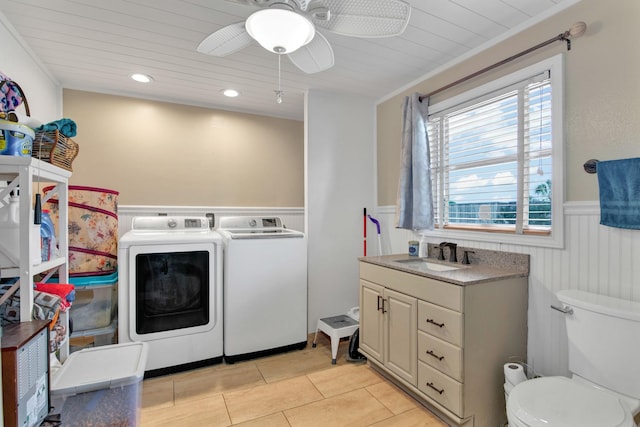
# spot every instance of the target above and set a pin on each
(95, 45)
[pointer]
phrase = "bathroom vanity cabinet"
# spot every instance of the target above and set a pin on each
(444, 343)
(387, 329)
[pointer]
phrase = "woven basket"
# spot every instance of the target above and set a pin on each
(55, 148)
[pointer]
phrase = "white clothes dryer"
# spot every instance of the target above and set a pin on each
(170, 291)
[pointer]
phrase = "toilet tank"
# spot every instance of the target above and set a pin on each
(604, 340)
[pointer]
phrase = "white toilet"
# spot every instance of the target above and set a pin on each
(604, 358)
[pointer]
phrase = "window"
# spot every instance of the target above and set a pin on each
(496, 157)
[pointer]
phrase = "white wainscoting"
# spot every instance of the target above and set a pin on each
(292, 218)
(595, 258)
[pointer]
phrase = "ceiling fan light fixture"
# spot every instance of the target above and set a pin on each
(280, 30)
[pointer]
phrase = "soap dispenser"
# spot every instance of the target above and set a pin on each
(424, 247)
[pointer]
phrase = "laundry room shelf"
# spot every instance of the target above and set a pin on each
(36, 269)
(27, 174)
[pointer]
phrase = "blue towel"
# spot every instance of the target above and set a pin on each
(67, 127)
(619, 182)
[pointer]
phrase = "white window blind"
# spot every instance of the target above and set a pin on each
(491, 159)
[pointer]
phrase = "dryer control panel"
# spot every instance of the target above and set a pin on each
(169, 223)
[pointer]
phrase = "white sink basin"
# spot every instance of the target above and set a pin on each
(424, 265)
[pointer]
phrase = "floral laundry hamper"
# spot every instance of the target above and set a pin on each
(93, 229)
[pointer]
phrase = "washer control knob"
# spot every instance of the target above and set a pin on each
(172, 223)
(253, 222)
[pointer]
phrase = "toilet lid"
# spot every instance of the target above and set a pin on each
(559, 401)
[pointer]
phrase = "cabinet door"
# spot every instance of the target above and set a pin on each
(401, 335)
(371, 320)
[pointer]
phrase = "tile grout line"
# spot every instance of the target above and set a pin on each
(393, 414)
(224, 393)
(173, 388)
(226, 408)
(306, 372)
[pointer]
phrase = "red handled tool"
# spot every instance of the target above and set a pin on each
(364, 223)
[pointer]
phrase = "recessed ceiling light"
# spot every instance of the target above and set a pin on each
(142, 78)
(231, 93)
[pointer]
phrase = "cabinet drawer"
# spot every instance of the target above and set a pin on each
(445, 357)
(441, 322)
(441, 293)
(441, 388)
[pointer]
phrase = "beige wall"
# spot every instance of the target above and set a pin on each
(157, 153)
(602, 114)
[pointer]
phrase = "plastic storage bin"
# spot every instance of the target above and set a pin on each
(93, 337)
(15, 139)
(95, 303)
(100, 386)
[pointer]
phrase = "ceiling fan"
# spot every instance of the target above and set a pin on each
(289, 27)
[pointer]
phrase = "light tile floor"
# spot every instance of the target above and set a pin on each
(299, 388)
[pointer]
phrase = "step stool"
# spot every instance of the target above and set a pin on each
(336, 327)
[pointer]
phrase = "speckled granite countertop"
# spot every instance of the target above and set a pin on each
(485, 266)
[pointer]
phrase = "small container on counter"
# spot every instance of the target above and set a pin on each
(414, 248)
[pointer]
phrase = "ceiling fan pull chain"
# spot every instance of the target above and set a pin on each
(279, 92)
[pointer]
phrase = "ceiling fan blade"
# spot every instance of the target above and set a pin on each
(226, 40)
(313, 57)
(364, 18)
(245, 2)
(298, 4)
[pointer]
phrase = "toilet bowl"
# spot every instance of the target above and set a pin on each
(564, 402)
(604, 389)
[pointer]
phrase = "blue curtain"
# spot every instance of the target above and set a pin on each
(414, 204)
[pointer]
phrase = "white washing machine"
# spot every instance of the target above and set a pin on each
(265, 287)
(170, 291)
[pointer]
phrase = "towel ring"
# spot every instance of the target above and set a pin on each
(590, 166)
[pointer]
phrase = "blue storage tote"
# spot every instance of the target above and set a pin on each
(96, 301)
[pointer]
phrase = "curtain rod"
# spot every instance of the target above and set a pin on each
(575, 31)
